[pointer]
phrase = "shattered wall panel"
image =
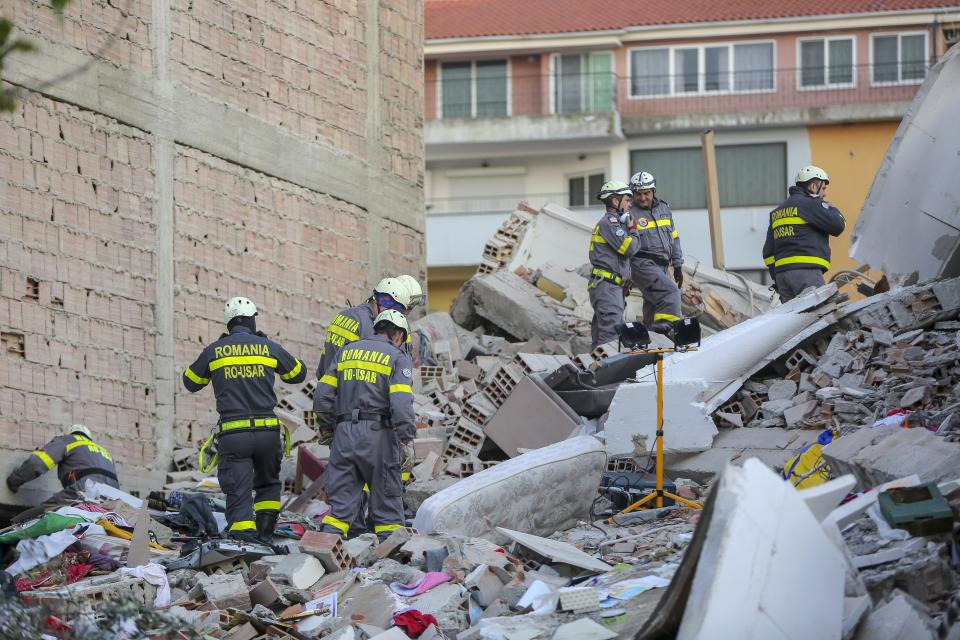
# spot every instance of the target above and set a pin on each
(916, 194)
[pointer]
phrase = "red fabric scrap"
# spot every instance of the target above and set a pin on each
(77, 571)
(414, 623)
(29, 584)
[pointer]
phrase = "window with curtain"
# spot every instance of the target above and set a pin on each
(474, 89)
(898, 57)
(649, 72)
(826, 62)
(748, 175)
(701, 70)
(583, 83)
(753, 67)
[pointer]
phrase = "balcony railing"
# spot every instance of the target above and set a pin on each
(497, 204)
(674, 95)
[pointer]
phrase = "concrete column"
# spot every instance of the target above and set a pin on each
(374, 131)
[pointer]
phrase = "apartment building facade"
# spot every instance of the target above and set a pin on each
(545, 101)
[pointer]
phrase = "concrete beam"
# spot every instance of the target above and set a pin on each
(514, 129)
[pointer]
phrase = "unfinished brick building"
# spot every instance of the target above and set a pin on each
(167, 154)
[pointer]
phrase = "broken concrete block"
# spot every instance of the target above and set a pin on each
(782, 390)
(327, 548)
(225, 591)
(687, 428)
(824, 498)
(775, 408)
(298, 570)
(902, 452)
(903, 618)
(773, 446)
(510, 303)
(799, 412)
(428, 468)
(565, 475)
(532, 417)
(760, 525)
(265, 593)
(422, 447)
(246, 631)
(839, 454)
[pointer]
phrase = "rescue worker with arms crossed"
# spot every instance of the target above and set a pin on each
(659, 249)
(367, 395)
(77, 458)
(613, 242)
(797, 248)
(242, 364)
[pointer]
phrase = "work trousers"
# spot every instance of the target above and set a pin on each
(249, 474)
(792, 282)
(606, 298)
(364, 453)
(661, 297)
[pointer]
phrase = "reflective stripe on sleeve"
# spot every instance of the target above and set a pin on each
(624, 245)
(194, 378)
(47, 460)
(401, 388)
(293, 372)
(329, 380)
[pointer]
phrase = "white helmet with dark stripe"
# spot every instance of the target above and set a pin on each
(642, 180)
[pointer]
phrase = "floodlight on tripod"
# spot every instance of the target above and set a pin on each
(632, 335)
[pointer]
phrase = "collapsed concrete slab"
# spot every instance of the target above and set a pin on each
(915, 160)
(765, 565)
(901, 452)
(539, 492)
(509, 303)
(693, 377)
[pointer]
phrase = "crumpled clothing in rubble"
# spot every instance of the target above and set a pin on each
(427, 582)
(414, 623)
(196, 517)
(33, 553)
(155, 575)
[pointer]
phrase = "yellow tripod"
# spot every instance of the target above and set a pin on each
(659, 494)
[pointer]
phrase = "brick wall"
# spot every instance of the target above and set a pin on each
(76, 277)
(89, 202)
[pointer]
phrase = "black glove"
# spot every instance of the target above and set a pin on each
(13, 488)
(678, 276)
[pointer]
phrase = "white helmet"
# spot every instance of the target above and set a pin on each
(236, 307)
(414, 292)
(394, 317)
(613, 188)
(78, 428)
(642, 180)
(396, 289)
(811, 172)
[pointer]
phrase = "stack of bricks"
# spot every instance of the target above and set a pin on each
(499, 249)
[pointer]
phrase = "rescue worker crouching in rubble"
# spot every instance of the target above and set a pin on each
(400, 293)
(613, 242)
(659, 249)
(797, 248)
(77, 458)
(243, 364)
(367, 395)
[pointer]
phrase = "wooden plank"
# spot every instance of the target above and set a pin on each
(713, 198)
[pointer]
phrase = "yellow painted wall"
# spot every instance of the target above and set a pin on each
(443, 284)
(851, 155)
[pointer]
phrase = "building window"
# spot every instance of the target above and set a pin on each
(677, 71)
(899, 57)
(748, 174)
(582, 190)
(475, 89)
(826, 62)
(583, 83)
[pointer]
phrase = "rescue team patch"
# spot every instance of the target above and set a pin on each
(642, 223)
(824, 205)
(620, 232)
(406, 373)
(613, 219)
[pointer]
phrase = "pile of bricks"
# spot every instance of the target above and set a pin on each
(499, 249)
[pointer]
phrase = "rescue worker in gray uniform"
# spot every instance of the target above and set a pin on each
(367, 394)
(659, 249)
(356, 323)
(613, 242)
(243, 364)
(797, 248)
(77, 458)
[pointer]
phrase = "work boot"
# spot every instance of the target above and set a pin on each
(266, 523)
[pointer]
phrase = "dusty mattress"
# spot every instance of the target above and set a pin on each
(539, 492)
